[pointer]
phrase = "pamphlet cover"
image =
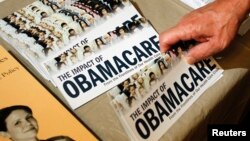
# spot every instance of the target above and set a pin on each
(89, 77)
(152, 99)
(51, 120)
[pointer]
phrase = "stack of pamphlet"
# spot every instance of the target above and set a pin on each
(91, 47)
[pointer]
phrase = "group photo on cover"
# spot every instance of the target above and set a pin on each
(46, 26)
(131, 91)
(78, 54)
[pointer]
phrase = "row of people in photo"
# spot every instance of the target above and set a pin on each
(101, 8)
(131, 92)
(78, 54)
(36, 36)
(78, 13)
(30, 35)
(54, 28)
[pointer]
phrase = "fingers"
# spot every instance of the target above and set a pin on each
(206, 48)
(169, 38)
(176, 34)
(201, 51)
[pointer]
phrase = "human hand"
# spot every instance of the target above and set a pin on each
(214, 26)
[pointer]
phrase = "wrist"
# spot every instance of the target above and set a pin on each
(241, 8)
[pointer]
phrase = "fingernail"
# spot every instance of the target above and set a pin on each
(189, 59)
(162, 51)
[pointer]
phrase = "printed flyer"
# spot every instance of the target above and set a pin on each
(151, 100)
(101, 71)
